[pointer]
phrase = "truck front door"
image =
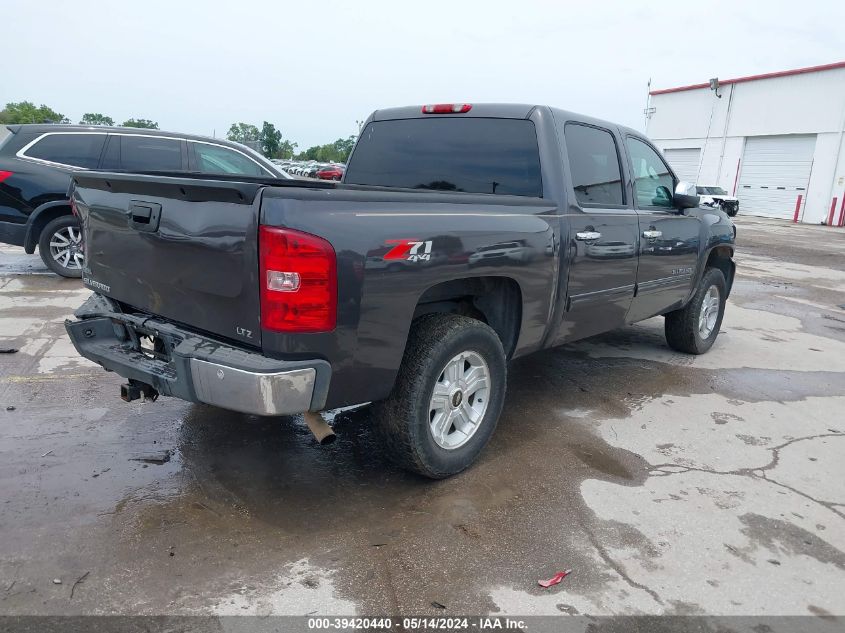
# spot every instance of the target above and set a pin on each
(601, 251)
(669, 238)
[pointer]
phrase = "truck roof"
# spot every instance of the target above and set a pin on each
(495, 111)
(490, 110)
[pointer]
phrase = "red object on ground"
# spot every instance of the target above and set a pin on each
(554, 580)
(842, 212)
(797, 208)
(832, 211)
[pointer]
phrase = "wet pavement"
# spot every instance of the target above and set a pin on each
(669, 484)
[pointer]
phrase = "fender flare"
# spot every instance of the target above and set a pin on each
(705, 255)
(31, 239)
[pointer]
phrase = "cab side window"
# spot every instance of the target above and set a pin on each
(148, 153)
(215, 159)
(653, 182)
(76, 150)
(594, 164)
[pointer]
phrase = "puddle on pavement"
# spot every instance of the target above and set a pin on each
(242, 497)
(242, 501)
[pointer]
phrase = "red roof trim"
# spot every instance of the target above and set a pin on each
(739, 80)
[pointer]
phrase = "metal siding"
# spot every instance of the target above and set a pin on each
(685, 162)
(775, 171)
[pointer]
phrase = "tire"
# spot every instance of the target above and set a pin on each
(441, 344)
(61, 248)
(690, 331)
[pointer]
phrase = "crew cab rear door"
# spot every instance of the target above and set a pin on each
(179, 248)
(602, 246)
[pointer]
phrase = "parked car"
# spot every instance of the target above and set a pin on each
(332, 172)
(297, 311)
(36, 163)
(718, 197)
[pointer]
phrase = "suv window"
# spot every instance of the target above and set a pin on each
(215, 159)
(77, 150)
(653, 182)
(146, 153)
(594, 164)
(449, 154)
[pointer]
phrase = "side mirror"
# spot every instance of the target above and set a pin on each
(685, 195)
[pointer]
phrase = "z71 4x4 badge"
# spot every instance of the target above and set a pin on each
(409, 250)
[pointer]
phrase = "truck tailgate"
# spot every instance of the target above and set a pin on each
(180, 248)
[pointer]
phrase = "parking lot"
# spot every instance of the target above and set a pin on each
(669, 484)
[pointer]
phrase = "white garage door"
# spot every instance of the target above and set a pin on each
(684, 162)
(775, 171)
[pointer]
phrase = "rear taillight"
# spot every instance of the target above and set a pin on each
(298, 276)
(446, 108)
(4, 175)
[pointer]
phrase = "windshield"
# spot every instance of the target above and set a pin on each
(711, 191)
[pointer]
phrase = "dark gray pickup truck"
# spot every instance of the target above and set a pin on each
(461, 236)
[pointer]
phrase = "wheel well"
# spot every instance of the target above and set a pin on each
(720, 257)
(40, 221)
(497, 301)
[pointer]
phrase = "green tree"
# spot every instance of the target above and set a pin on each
(95, 118)
(144, 123)
(270, 140)
(243, 133)
(26, 112)
(337, 152)
(287, 149)
(343, 148)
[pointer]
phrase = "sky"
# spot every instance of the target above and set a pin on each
(314, 68)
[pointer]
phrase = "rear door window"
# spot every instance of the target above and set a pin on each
(497, 156)
(76, 150)
(147, 153)
(594, 165)
(215, 159)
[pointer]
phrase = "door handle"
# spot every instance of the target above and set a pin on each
(141, 215)
(144, 216)
(587, 236)
(652, 234)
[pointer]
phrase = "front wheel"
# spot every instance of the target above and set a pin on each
(694, 328)
(447, 398)
(61, 248)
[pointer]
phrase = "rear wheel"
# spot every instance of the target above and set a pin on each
(447, 398)
(694, 328)
(61, 248)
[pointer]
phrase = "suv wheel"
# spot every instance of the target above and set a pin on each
(447, 398)
(61, 248)
(694, 328)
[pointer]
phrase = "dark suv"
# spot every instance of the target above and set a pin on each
(37, 161)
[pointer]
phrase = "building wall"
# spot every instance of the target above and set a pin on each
(811, 103)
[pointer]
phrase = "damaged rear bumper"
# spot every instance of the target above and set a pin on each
(192, 367)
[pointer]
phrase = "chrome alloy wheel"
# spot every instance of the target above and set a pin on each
(459, 400)
(66, 247)
(709, 312)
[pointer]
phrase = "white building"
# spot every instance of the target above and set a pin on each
(774, 140)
